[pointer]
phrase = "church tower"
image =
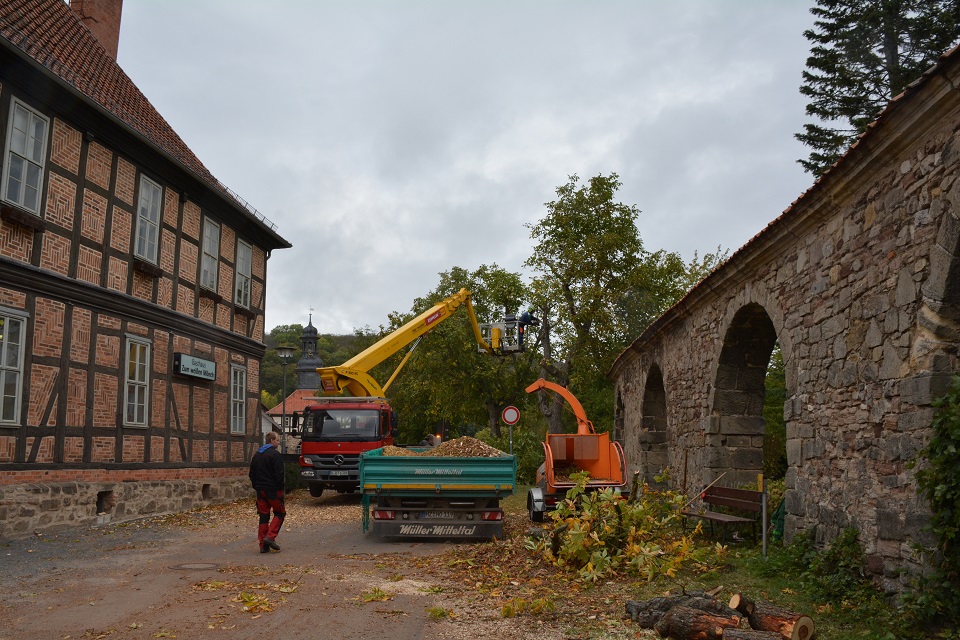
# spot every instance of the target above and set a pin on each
(307, 376)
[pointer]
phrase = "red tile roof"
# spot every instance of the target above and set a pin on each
(296, 401)
(52, 34)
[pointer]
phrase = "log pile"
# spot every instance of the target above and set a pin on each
(700, 616)
(764, 616)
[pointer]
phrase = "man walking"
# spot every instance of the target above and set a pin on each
(266, 476)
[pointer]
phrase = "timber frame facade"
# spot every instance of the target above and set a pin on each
(132, 292)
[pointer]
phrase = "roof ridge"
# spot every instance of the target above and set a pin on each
(54, 36)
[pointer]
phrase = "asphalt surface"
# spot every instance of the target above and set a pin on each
(202, 576)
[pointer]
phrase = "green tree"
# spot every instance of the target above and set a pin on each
(269, 400)
(864, 53)
(271, 371)
(597, 289)
(775, 435)
(331, 349)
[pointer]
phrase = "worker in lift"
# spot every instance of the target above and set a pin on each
(526, 319)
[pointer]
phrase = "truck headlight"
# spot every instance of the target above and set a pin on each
(307, 473)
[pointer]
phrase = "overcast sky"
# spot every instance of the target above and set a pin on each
(392, 141)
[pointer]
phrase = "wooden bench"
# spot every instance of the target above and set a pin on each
(743, 500)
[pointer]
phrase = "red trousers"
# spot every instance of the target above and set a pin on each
(267, 500)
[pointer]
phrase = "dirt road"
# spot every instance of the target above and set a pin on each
(200, 575)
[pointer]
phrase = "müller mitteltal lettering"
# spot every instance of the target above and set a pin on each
(437, 530)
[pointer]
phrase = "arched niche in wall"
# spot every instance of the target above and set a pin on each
(733, 442)
(653, 426)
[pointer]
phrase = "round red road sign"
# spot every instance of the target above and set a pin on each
(510, 415)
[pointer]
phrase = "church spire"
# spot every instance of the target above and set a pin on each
(307, 376)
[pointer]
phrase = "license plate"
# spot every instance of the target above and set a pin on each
(437, 515)
(339, 473)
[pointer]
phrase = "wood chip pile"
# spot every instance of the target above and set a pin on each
(463, 447)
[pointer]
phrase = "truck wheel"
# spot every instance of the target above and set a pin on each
(316, 490)
(535, 516)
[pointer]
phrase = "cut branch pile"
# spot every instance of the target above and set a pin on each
(700, 616)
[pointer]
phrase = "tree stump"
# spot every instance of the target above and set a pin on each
(764, 616)
(686, 623)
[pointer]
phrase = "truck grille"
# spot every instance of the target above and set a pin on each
(329, 461)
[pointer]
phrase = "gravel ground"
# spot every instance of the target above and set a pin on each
(200, 575)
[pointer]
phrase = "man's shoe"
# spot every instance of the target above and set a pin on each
(264, 548)
(271, 543)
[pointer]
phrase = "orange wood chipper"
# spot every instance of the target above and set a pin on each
(568, 453)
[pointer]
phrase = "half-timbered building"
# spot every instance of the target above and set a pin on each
(132, 289)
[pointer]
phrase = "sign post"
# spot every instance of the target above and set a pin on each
(510, 416)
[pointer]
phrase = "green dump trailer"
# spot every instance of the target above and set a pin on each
(423, 496)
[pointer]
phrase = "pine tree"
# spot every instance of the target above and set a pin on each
(864, 53)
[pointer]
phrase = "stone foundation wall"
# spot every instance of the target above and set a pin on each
(29, 508)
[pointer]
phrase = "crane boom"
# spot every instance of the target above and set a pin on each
(353, 376)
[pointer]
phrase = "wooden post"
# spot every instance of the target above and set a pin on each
(635, 487)
(683, 489)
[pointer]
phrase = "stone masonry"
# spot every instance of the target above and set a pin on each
(30, 508)
(859, 283)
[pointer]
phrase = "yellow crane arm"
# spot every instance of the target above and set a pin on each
(353, 375)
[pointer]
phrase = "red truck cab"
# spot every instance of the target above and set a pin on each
(334, 432)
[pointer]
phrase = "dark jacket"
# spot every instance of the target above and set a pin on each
(266, 469)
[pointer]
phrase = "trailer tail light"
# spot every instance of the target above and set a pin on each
(384, 514)
(491, 515)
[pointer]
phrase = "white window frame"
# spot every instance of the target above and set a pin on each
(238, 400)
(148, 220)
(210, 255)
(11, 367)
(136, 382)
(27, 160)
(244, 274)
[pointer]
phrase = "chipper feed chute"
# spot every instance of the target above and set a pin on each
(568, 453)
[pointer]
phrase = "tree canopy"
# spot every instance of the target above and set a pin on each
(597, 288)
(864, 53)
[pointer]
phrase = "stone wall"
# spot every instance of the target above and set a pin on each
(29, 508)
(859, 283)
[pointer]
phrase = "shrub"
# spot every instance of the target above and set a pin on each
(935, 597)
(291, 477)
(527, 447)
(600, 533)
